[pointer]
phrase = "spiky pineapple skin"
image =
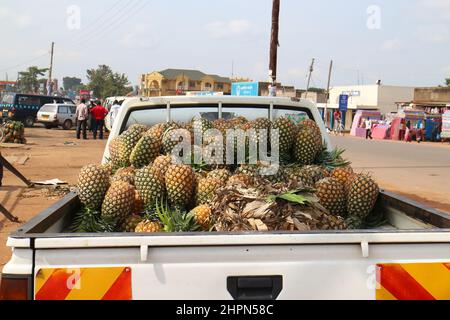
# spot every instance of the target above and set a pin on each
(179, 180)
(130, 223)
(297, 173)
(332, 195)
(93, 183)
(124, 174)
(287, 131)
(145, 151)
(362, 195)
(148, 226)
(221, 174)
(126, 144)
(315, 172)
(344, 175)
(206, 190)
(203, 215)
(150, 184)
(119, 201)
(162, 163)
(306, 146)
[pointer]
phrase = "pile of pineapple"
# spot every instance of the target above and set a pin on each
(143, 189)
(14, 132)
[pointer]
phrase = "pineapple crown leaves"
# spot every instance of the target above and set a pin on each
(90, 221)
(331, 159)
(175, 219)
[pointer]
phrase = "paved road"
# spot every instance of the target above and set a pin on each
(418, 170)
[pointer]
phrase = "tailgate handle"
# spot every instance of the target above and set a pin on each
(255, 287)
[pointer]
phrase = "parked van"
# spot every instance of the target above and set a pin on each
(54, 115)
(24, 107)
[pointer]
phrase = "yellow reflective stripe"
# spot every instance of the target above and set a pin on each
(383, 294)
(433, 277)
(94, 283)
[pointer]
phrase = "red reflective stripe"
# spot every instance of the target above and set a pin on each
(55, 288)
(121, 289)
(401, 284)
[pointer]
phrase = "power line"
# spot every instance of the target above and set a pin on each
(87, 35)
(25, 62)
(116, 19)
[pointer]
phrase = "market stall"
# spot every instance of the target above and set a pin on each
(445, 134)
(358, 129)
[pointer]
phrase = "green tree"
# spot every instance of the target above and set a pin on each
(71, 83)
(30, 80)
(447, 81)
(106, 83)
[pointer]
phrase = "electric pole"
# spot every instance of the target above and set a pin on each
(325, 115)
(50, 71)
(311, 69)
(274, 43)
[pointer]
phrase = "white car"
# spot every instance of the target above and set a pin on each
(53, 115)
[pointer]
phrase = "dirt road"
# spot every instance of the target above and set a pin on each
(52, 154)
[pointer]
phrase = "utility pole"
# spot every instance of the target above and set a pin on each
(311, 69)
(50, 71)
(325, 115)
(274, 43)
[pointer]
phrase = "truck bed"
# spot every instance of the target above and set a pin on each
(400, 212)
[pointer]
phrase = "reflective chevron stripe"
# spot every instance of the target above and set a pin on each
(83, 284)
(413, 281)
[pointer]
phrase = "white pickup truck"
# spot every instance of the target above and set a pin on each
(408, 258)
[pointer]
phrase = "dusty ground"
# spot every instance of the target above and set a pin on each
(418, 171)
(51, 155)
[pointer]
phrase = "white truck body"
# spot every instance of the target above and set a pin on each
(312, 265)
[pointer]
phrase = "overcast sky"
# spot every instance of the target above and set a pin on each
(401, 42)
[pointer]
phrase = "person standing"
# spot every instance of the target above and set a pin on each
(337, 121)
(82, 116)
(114, 111)
(99, 113)
(368, 123)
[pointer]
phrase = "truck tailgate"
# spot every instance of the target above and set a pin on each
(308, 271)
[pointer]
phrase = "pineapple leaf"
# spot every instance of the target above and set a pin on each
(296, 196)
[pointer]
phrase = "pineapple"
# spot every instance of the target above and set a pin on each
(344, 175)
(90, 221)
(141, 128)
(124, 174)
(202, 215)
(362, 195)
(162, 163)
(312, 125)
(145, 151)
(168, 144)
(287, 130)
(331, 195)
(221, 174)
(138, 203)
(180, 184)
(206, 190)
(157, 130)
(130, 223)
(315, 172)
(257, 136)
(119, 201)
(297, 173)
(93, 183)
(201, 125)
(150, 184)
(307, 145)
(121, 147)
(223, 125)
(148, 226)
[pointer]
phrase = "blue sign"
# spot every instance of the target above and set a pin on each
(248, 89)
(343, 102)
